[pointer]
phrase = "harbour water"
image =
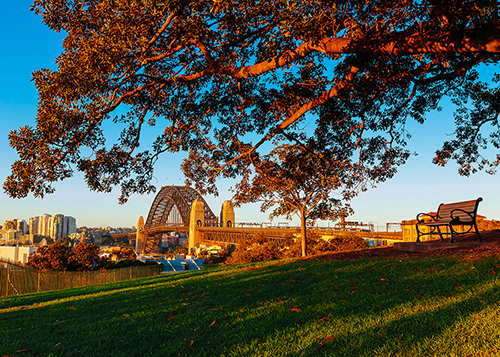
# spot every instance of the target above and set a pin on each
(180, 263)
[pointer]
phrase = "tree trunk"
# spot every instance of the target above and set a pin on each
(303, 234)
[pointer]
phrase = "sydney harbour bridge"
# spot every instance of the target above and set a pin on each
(183, 209)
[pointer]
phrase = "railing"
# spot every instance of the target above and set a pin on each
(16, 279)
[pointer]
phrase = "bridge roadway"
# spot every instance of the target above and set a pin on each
(234, 235)
(166, 228)
(224, 235)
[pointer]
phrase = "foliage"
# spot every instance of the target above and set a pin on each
(62, 257)
(215, 259)
(370, 307)
(488, 225)
(105, 240)
(226, 81)
(346, 241)
(257, 249)
(87, 257)
(299, 182)
(260, 249)
(64, 241)
(52, 257)
(317, 245)
(129, 263)
(178, 249)
(123, 245)
(126, 254)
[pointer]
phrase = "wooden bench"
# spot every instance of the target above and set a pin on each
(450, 215)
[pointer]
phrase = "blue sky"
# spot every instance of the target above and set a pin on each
(28, 45)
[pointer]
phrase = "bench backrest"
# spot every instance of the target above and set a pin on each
(444, 210)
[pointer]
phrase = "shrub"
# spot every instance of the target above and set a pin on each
(261, 249)
(347, 241)
(256, 249)
(488, 225)
(215, 259)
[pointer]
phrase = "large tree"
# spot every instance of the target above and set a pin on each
(297, 182)
(228, 80)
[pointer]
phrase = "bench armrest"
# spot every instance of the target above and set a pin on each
(457, 219)
(425, 214)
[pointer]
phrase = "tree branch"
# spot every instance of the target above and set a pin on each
(301, 111)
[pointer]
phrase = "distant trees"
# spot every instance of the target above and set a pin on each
(125, 254)
(62, 257)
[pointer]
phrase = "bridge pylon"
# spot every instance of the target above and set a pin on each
(140, 237)
(227, 215)
(197, 219)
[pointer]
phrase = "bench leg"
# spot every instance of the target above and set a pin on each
(477, 232)
(441, 234)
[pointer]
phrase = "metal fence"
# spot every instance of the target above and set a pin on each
(16, 279)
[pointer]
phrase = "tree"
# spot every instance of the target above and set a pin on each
(229, 80)
(301, 183)
(87, 257)
(52, 257)
(62, 257)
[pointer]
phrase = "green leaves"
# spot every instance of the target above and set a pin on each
(230, 81)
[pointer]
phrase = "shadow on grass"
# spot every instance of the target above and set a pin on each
(309, 308)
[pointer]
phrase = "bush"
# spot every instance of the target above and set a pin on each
(347, 241)
(256, 249)
(215, 259)
(261, 249)
(488, 225)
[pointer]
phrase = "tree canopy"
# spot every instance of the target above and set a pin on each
(83, 257)
(228, 80)
(297, 182)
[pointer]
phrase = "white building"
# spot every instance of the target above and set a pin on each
(16, 254)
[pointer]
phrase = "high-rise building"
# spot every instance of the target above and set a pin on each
(22, 225)
(60, 226)
(56, 226)
(12, 236)
(8, 225)
(70, 225)
(33, 226)
(43, 224)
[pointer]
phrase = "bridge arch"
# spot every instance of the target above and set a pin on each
(172, 207)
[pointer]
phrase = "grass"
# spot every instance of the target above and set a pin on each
(373, 307)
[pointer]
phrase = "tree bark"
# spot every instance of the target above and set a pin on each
(303, 233)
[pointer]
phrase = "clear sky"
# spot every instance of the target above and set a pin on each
(28, 45)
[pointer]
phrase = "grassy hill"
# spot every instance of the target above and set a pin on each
(370, 307)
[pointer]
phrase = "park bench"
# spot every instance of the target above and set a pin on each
(448, 216)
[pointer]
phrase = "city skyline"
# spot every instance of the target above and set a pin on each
(418, 186)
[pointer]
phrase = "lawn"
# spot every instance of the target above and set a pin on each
(439, 306)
